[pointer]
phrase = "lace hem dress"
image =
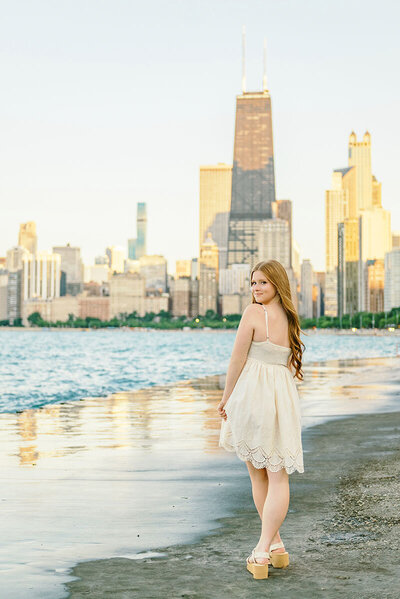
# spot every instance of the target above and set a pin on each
(263, 424)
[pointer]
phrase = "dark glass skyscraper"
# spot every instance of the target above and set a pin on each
(253, 179)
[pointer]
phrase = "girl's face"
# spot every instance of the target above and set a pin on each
(263, 290)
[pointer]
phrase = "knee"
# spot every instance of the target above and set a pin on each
(278, 478)
(257, 474)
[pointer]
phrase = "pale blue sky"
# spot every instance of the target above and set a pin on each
(107, 103)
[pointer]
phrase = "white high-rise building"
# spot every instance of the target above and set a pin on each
(71, 265)
(41, 275)
(3, 294)
(235, 279)
(306, 289)
(392, 280)
(274, 241)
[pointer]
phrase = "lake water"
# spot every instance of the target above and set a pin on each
(51, 366)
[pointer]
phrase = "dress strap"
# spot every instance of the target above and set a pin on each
(266, 321)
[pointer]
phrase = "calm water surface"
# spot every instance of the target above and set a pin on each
(42, 367)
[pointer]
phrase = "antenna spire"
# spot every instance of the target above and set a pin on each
(243, 59)
(265, 88)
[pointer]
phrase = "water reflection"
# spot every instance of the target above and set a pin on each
(183, 416)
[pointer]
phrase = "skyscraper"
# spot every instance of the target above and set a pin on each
(392, 279)
(360, 157)
(138, 247)
(27, 237)
(274, 241)
(285, 211)
(354, 200)
(337, 201)
(71, 265)
(253, 178)
(41, 276)
(215, 204)
(208, 284)
(306, 290)
(14, 258)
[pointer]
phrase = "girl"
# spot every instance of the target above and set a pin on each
(260, 408)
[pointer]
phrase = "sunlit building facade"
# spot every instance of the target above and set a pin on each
(208, 283)
(41, 275)
(215, 204)
(183, 268)
(355, 201)
(374, 285)
(360, 157)
(116, 259)
(27, 237)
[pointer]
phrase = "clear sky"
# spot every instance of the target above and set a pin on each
(105, 103)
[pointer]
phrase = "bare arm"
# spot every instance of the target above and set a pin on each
(240, 350)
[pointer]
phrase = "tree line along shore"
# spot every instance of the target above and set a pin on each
(211, 320)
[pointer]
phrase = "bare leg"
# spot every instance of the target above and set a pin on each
(275, 509)
(259, 486)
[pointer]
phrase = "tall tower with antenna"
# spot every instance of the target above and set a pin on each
(253, 175)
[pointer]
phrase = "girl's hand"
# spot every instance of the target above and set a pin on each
(221, 410)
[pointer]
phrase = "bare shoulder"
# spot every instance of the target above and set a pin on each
(277, 317)
(252, 310)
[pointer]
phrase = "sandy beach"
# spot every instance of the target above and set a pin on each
(342, 531)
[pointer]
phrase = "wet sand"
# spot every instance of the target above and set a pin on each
(342, 530)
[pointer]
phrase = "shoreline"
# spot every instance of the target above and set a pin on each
(309, 332)
(333, 364)
(342, 530)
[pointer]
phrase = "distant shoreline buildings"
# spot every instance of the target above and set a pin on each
(358, 239)
(240, 223)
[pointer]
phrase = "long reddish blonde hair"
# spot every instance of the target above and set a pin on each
(277, 275)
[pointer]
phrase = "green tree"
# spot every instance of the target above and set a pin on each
(71, 320)
(164, 315)
(35, 319)
(149, 316)
(211, 315)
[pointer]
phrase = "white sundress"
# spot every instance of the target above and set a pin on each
(263, 424)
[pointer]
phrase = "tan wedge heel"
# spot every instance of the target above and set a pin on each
(279, 560)
(259, 571)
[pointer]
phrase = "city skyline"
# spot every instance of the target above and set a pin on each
(74, 166)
